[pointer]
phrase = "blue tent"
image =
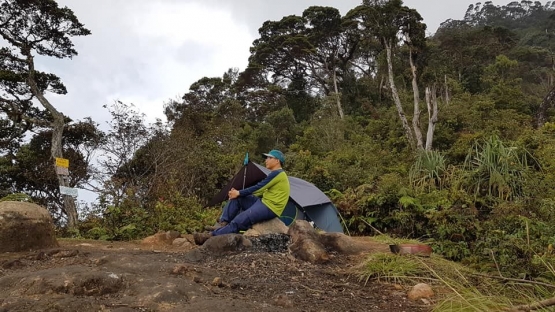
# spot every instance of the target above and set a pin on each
(306, 201)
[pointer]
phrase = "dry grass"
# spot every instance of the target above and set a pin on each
(457, 288)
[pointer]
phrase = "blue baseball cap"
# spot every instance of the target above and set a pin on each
(276, 154)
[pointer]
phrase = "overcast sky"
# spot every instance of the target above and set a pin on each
(148, 51)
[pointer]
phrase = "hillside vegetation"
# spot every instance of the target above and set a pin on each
(449, 138)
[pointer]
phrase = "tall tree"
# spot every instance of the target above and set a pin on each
(388, 22)
(116, 172)
(335, 41)
(313, 49)
(39, 27)
(28, 169)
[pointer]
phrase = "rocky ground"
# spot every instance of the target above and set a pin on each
(125, 276)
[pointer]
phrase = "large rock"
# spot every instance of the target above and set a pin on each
(161, 239)
(273, 226)
(346, 245)
(25, 226)
(226, 243)
(305, 243)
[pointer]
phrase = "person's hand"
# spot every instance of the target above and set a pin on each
(233, 193)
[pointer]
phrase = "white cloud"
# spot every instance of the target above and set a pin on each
(184, 42)
(182, 22)
(145, 53)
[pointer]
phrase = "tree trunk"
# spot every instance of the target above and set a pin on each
(337, 97)
(380, 91)
(416, 94)
(57, 133)
(431, 101)
(406, 127)
(541, 115)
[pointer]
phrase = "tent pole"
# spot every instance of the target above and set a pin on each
(344, 223)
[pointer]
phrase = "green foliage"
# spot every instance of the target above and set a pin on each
(453, 229)
(512, 242)
(428, 170)
(21, 197)
(99, 233)
(128, 221)
(131, 221)
(494, 169)
(183, 214)
(31, 171)
(390, 268)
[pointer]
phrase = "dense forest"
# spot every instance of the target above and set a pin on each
(447, 138)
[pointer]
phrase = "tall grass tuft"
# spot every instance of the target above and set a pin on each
(427, 172)
(456, 287)
(495, 169)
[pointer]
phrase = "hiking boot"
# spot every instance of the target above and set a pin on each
(215, 227)
(200, 238)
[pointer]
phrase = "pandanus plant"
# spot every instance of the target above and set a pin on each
(428, 170)
(492, 168)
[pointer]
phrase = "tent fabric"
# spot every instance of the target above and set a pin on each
(291, 213)
(249, 175)
(325, 217)
(302, 192)
(309, 201)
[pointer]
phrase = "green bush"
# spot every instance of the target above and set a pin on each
(22, 197)
(183, 214)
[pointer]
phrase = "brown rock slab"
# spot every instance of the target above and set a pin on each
(226, 243)
(305, 243)
(25, 226)
(302, 229)
(182, 243)
(161, 239)
(273, 226)
(251, 233)
(171, 235)
(342, 243)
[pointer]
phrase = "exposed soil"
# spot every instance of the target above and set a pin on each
(122, 276)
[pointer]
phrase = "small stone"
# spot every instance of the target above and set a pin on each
(180, 269)
(217, 282)
(100, 261)
(420, 291)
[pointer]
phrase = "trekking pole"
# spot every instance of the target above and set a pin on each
(245, 163)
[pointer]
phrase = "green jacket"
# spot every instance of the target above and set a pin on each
(274, 190)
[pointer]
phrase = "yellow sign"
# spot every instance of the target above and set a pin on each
(62, 162)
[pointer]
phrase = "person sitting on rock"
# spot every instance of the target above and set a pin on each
(261, 202)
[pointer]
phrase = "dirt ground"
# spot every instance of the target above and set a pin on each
(84, 275)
